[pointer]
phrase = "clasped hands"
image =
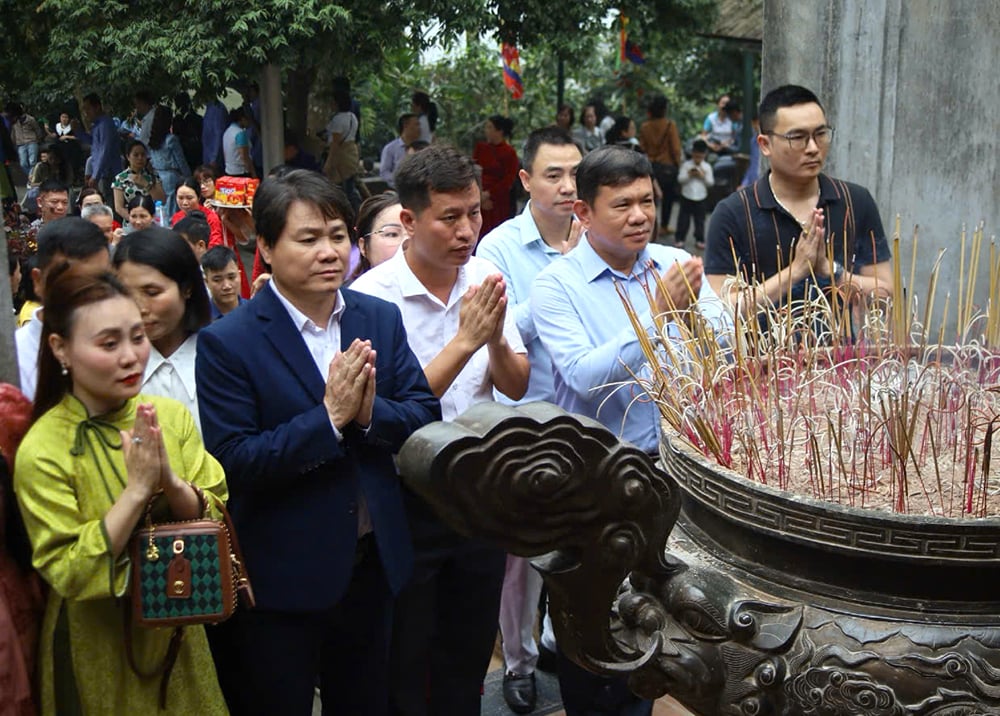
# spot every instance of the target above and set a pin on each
(682, 285)
(481, 317)
(350, 385)
(809, 251)
(146, 462)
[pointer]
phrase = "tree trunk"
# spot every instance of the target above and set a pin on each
(298, 85)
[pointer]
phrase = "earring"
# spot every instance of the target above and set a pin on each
(65, 370)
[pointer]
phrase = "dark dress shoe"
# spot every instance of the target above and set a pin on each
(519, 692)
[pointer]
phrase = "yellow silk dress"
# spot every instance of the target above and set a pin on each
(69, 470)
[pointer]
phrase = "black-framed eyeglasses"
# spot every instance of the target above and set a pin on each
(800, 140)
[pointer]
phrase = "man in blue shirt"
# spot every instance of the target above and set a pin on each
(394, 152)
(521, 247)
(213, 126)
(105, 147)
(595, 352)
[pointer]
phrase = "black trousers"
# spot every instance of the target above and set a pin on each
(269, 662)
(666, 177)
(586, 694)
(689, 209)
(445, 627)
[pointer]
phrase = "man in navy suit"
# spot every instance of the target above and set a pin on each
(305, 393)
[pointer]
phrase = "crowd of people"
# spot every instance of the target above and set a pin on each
(151, 362)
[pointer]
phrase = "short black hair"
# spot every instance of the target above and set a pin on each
(193, 229)
(276, 195)
(700, 145)
(440, 168)
(784, 96)
(70, 237)
(168, 252)
(236, 114)
(609, 165)
(217, 258)
(93, 98)
(403, 119)
(657, 106)
(52, 186)
(546, 135)
(504, 124)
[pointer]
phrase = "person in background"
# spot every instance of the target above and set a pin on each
(53, 202)
(753, 170)
(187, 126)
(305, 394)
(659, 138)
(167, 157)
(521, 248)
(379, 230)
(145, 109)
(138, 179)
(223, 280)
(104, 219)
(622, 133)
(394, 152)
(206, 175)
(141, 213)
(22, 604)
(26, 291)
(696, 179)
(196, 232)
(422, 106)
(296, 157)
(343, 154)
(96, 454)
(105, 148)
(189, 199)
(588, 135)
(454, 305)
(162, 274)
(236, 145)
(26, 133)
(213, 127)
(565, 117)
(499, 162)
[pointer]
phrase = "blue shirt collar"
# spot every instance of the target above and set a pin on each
(593, 266)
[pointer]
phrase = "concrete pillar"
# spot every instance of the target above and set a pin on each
(911, 88)
(272, 131)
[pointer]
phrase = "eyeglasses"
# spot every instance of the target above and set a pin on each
(800, 140)
(393, 232)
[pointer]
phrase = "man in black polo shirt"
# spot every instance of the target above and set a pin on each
(776, 231)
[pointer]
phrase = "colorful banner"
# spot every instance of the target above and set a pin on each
(627, 49)
(512, 70)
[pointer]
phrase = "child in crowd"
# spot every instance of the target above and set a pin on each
(695, 178)
(223, 280)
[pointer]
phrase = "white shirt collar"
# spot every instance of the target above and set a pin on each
(301, 320)
(182, 359)
(410, 285)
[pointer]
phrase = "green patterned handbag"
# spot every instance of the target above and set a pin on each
(186, 572)
(183, 573)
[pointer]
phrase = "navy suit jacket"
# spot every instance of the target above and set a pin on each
(293, 487)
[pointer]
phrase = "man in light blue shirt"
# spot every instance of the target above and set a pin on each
(583, 325)
(393, 153)
(576, 308)
(521, 247)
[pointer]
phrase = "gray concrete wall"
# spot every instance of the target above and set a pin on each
(912, 88)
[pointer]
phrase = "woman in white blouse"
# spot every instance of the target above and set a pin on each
(165, 279)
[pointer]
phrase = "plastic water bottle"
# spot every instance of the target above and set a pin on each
(161, 218)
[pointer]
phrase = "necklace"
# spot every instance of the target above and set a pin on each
(788, 211)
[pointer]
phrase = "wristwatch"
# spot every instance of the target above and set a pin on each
(838, 273)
